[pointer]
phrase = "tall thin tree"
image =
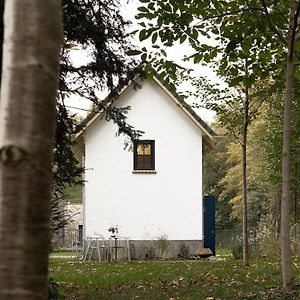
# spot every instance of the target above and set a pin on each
(32, 41)
(286, 254)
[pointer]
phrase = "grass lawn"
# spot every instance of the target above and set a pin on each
(209, 280)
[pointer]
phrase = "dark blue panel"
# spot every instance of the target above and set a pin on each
(209, 212)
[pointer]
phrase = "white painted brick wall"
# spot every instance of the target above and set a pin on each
(145, 206)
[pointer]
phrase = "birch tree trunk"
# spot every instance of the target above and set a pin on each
(32, 37)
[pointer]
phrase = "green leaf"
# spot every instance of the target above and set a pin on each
(231, 46)
(182, 38)
(151, 6)
(248, 81)
(144, 34)
(197, 58)
(144, 57)
(168, 8)
(195, 34)
(236, 81)
(143, 9)
(133, 52)
(154, 37)
(297, 74)
(149, 75)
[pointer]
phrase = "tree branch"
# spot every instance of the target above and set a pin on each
(272, 26)
(253, 113)
(231, 13)
(281, 13)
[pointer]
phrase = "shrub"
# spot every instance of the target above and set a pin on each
(149, 250)
(55, 247)
(184, 251)
(162, 245)
(237, 251)
(267, 239)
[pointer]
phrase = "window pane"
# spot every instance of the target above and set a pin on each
(144, 149)
(144, 161)
(144, 155)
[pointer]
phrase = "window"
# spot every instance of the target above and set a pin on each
(144, 155)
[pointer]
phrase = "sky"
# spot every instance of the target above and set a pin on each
(176, 53)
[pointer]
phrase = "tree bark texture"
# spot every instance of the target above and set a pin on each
(32, 40)
(244, 180)
(286, 256)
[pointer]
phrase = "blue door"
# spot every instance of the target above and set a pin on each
(209, 213)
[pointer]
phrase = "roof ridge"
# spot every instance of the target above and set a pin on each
(121, 87)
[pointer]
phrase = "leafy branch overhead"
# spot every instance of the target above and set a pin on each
(96, 27)
(252, 45)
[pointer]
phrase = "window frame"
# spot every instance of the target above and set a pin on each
(152, 154)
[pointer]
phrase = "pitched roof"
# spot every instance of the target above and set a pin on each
(208, 133)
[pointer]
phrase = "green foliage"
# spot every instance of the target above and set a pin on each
(53, 293)
(268, 238)
(55, 247)
(223, 33)
(216, 165)
(73, 193)
(237, 251)
(97, 27)
(232, 182)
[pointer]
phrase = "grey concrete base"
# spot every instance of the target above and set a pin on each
(164, 249)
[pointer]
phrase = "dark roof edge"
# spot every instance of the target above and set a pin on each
(124, 85)
(186, 106)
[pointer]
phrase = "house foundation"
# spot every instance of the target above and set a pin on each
(163, 249)
(109, 250)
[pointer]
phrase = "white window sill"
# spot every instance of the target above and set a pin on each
(144, 172)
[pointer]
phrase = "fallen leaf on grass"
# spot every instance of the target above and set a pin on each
(140, 286)
(175, 283)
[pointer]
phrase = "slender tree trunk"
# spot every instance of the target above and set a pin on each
(286, 256)
(32, 40)
(244, 175)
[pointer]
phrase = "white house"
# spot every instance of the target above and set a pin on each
(154, 189)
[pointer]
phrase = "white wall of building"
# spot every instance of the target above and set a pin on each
(145, 206)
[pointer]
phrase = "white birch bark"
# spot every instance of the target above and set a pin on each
(32, 38)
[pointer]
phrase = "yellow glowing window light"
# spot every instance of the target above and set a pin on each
(144, 149)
